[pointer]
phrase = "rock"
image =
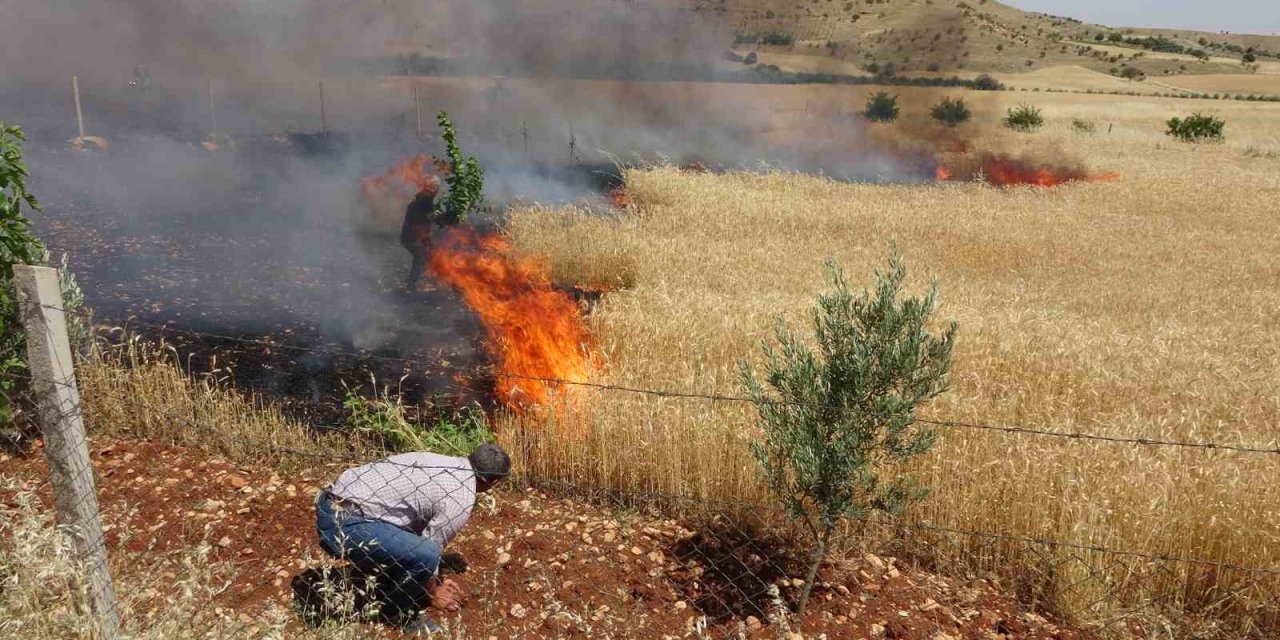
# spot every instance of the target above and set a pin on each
(792, 635)
(224, 542)
(875, 561)
(236, 481)
(941, 636)
(518, 611)
(877, 631)
(681, 605)
(753, 623)
(503, 559)
(929, 605)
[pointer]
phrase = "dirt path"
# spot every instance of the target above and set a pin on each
(541, 566)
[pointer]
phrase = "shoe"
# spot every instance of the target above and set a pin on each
(420, 625)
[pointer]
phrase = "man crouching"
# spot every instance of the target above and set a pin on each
(393, 518)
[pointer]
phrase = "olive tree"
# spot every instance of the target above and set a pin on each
(837, 412)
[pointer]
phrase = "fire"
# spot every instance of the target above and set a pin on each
(1004, 171)
(534, 331)
(387, 195)
(619, 197)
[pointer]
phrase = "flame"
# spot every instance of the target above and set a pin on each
(1004, 171)
(534, 331)
(387, 195)
(619, 197)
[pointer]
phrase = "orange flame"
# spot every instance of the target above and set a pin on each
(387, 195)
(619, 197)
(1005, 171)
(535, 331)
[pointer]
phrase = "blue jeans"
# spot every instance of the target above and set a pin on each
(402, 560)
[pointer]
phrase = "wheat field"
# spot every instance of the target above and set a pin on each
(1148, 307)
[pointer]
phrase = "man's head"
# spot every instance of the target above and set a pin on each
(491, 465)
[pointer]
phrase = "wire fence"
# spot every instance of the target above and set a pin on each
(386, 520)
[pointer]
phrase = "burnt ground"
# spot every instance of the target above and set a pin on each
(261, 265)
(542, 566)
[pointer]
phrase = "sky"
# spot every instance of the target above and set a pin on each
(1236, 16)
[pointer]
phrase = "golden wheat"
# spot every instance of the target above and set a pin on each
(136, 389)
(1140, 308)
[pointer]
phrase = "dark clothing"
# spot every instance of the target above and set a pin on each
(415, 234)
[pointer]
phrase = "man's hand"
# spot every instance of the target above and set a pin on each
(446, 595)
(453, 563)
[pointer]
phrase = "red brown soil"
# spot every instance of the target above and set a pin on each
(541, 566)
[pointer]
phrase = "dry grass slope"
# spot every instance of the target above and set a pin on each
(949, 35)
(1145, 307)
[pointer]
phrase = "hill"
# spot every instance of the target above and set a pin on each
(959, 36)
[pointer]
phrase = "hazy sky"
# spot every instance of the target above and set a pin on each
(1237, 16)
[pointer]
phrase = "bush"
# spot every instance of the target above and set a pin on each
(1133, 73)
(1196, 128)
(383, 419)
(778, 39)
(1025, 118)
(751, 58)
(951, 112)
(466, 178)
(881, 107)
(835, 419)
(985, 82)
(17, 246)
(1080, 125)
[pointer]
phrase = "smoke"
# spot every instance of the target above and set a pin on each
(258, 241)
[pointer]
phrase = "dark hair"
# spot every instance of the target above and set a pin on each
(490, 463)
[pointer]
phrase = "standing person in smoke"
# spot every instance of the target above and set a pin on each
(415, 233)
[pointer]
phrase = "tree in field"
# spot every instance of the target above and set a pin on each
(837, 413)
(951, 112)
(881, 107)
(1133, 73)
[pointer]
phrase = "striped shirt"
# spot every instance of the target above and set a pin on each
(427, 493)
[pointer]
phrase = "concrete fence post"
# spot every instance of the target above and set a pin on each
(66, 446)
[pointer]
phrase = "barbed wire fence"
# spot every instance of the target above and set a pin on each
(732, 572)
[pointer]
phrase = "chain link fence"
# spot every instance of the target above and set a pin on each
(642, 565)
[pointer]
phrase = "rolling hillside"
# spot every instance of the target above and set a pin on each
(969, 36)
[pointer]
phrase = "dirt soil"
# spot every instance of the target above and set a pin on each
(541, 566)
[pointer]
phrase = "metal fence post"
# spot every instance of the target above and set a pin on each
(67, 448)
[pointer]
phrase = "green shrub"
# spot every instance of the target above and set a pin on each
(837, 421)
(951, 112)
(985, 82)
(881, 107)
(778, 39)
(383, 419)
(466, 178)
(18, 245)
(1196, 128)
(1133, 73)
(1080, 125)
(1025, 118)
